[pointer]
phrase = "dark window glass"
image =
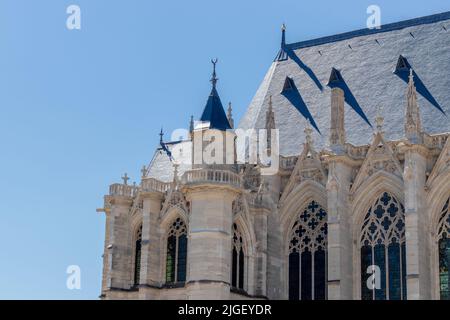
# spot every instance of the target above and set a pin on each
(366, 261)
(306, 275)
(170, 261)
(444, 261)
(382, 245)
(319, 275)
(234, 268)
(137, 256)
(241, 269)
(380, 256)
(181, 265)
(308, 254)
(395, 287)
(294, 279)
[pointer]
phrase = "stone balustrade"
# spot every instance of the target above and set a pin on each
(151, 184)
(119, 189)
(213, 176)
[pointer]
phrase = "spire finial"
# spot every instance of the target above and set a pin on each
(161, 135)
(230, 115)
(308, 131)
(283, 35)
(379, 120)
(191, 124)
(214, 78)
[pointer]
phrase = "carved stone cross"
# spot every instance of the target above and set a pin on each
(125, 179)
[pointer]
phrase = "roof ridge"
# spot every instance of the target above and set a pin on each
(366, 31)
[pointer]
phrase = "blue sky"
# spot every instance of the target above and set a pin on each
(79, 108)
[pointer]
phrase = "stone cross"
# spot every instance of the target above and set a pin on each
(125, 179)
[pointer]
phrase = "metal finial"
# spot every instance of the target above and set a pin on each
(191, 124)
(214, 78)
(283, 35)
(161, 134)
(125, 179)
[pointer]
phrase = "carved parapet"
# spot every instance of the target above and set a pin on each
(153, 185)
(211, 176)
(123, 190)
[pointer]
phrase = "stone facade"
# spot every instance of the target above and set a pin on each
(344, 179)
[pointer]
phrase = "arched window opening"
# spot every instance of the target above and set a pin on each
(444, 252)
(176, 252)
(308, 255)
(137, 255)
(383, 251)
(238, 260)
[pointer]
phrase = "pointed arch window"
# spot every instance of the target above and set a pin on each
(383, 250)
(444, 252)
(176, 252)
(137, 255)
(308, 255)
(238, 259)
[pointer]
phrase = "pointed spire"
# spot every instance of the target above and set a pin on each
(161, 135)
(413, 125)
(379, 120)
(308, 133)
(230, 115)
(213, 113)
(270, 124)
(191, 124)
(282, 54)
(214, 78)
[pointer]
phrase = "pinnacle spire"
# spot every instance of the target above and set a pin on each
(214, 78)
(230, 115)
(213, 113)
(379, 120)
(413, 125)
(308, 133)
(282, 54)
(191, 124)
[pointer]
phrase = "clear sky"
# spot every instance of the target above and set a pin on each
(81, 107)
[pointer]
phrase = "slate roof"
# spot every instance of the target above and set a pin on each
(365, 61)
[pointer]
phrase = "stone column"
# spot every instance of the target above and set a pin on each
(119, 246)
(340, 257)
(209, 242)
(417, 224)
(261, 232)
(150, 277)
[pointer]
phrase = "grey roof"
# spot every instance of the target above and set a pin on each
(161, 167)
(365, 60)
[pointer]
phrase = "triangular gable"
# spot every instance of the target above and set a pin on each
(308, 167)
(380, 157)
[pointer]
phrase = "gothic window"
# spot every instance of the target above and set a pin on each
(137, 255)
(238, 260)
(383, 251)
(444, 252)
(308, 255)
(176, 252)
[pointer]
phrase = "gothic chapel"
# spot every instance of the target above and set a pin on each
(363, 183)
